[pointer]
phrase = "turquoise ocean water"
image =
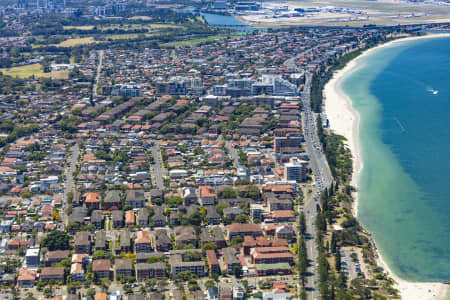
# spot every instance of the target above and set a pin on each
(402, 93)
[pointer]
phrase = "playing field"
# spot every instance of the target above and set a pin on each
(194, 42)
(76, 42)
(34, 69)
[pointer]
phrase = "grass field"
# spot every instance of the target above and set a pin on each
(141, 26)
(34, 69)
(145, 18)
(194, 42)
(88, 27)
(76, 42)
(126, 36)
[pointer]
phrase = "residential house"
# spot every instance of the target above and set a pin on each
(100, 240)
(143, 242)
(52, 273)
(92, 200)
(206, 196)
(178, 265)
(243, 230)
(33, 257)
(129, 218)
(215, 236)
(77, 272)
(123, 268)
(232, 212)
(117, 218)
(102, 268)
(26, 278)
(97, 218)
(125, 241)
(135, 198)
(212, 217)
(213, 263)
(142, 217)
(189, 196)
(162, 240)
(230, 260)
(279, 216)
(112, 200)
(271, 255)
(158, 218)
(185, 235)
(146, 271)
(83, 242)
(52, 257)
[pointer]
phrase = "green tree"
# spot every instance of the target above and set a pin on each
(192, 256)
(57, 240)
(333, 243)
(237, 239)
(195, 218)
(210, 283)
(237, 271)
(90, 292)
(209, 246)
(241, 219)
(302, 223)
(174, 202)
(337, 261)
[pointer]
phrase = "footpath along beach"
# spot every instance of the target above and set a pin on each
(344, 120)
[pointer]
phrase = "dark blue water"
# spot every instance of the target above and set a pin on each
(403, 96)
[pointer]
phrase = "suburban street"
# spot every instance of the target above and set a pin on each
(68, 187)
(158, 171)
(233, 153)
(99, 70)
(322, 179)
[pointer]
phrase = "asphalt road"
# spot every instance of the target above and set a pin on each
(158, 170)
(68, 185)
(233, 153)
(99, 70)
(322, 179)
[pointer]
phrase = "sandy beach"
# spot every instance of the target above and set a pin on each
(344, 120)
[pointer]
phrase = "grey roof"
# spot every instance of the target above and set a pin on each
(97, 216)
(146, 266)
(211, 212)
(162, 237)
(82, 238)
(78, 214)
(232, 211)
(125, 240)
(117, 215)
(230, 256)
(135, 195)
(112, 196)
(100, 239)
(123, 264)
(143, 213)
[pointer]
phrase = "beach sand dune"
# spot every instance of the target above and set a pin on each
(344, 120)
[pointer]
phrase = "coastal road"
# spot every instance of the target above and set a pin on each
(322, 179)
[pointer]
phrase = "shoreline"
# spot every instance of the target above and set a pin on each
(344, 120)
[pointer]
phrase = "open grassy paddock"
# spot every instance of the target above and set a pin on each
(34, 69)
(76, 42)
